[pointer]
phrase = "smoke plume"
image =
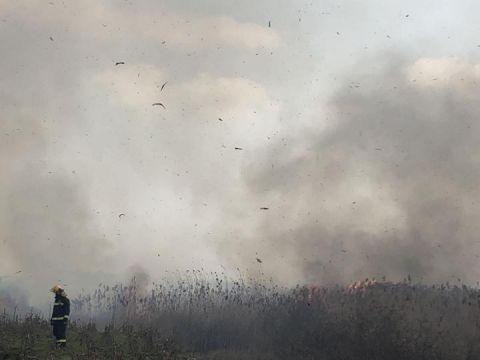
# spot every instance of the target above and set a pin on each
(390, 188)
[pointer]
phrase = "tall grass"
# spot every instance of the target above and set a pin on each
(220, 318)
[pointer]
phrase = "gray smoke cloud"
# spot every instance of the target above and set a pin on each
(390, 188)
(47, 235)
(47, 232)
(371, 173)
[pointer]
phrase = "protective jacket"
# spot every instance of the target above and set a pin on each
(61, 309)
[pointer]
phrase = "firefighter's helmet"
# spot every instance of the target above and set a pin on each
(56, 289)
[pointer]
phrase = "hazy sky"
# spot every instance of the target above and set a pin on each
(357, 122)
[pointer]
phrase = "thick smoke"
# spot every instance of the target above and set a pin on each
(47, 235)
(383, 184)
(389, 189)
(46, 231)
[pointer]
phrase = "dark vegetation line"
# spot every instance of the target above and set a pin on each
(226, 319)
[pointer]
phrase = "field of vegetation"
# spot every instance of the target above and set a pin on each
(222, 318)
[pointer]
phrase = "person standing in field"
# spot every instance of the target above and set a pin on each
(60, 316)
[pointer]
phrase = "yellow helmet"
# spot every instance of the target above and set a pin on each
(56, 288)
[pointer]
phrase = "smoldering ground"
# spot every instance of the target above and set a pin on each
(390, 188)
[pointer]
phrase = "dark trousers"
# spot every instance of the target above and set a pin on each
(60, 332)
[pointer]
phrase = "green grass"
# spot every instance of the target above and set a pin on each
(31, 338)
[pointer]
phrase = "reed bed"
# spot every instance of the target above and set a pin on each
(200, 317)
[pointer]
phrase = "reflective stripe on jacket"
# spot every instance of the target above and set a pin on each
(61, 308)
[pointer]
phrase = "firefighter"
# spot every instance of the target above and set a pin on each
(60, 315)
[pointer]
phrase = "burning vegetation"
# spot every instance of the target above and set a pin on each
(221, 318)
